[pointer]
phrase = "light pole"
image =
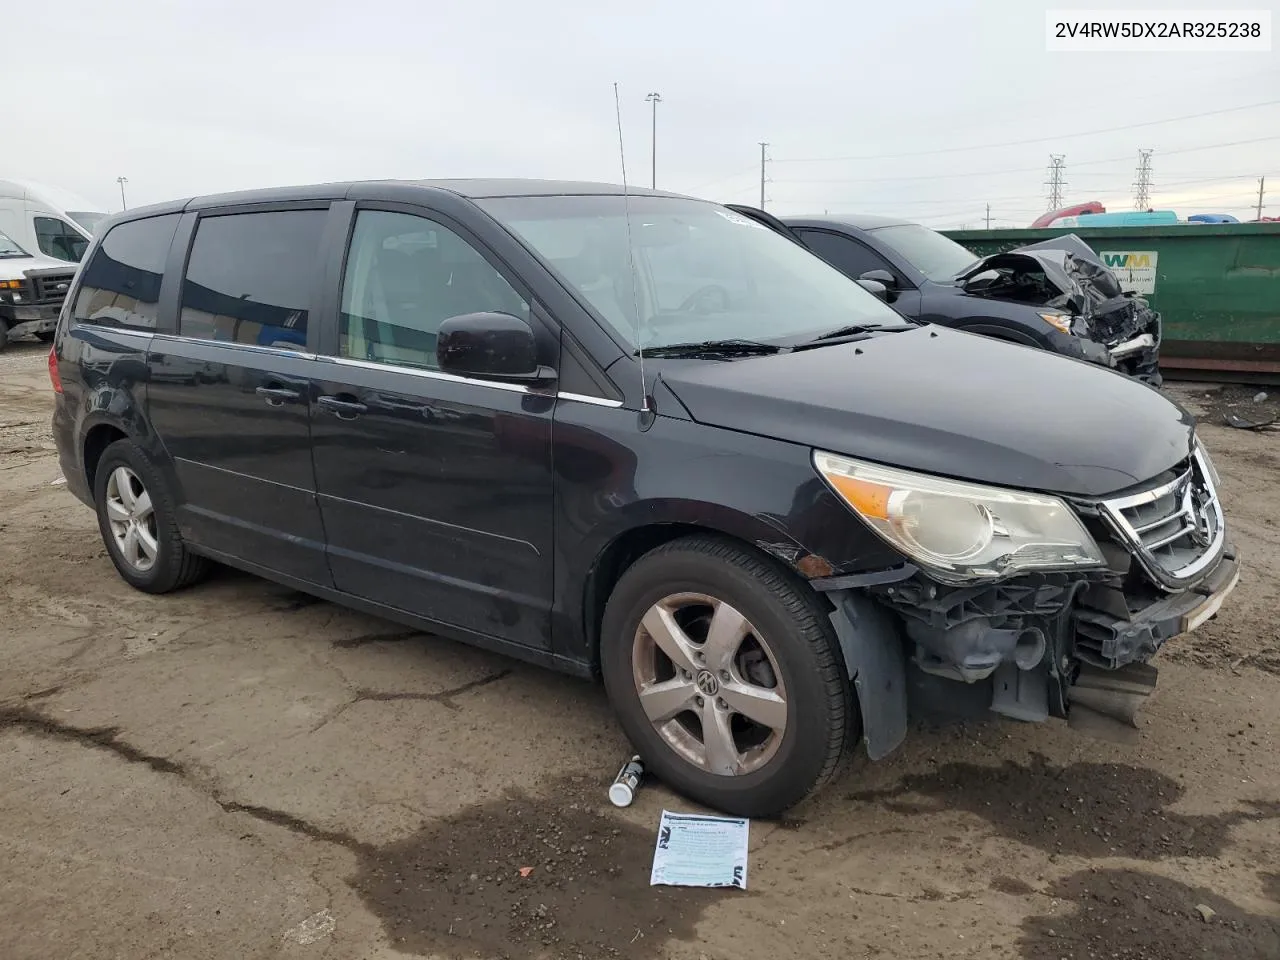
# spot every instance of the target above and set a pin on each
(655, 99)
(122, 181)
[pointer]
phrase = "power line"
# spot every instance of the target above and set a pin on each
(992, 173)
(1218, 196)
(754, 168)
(1018, 143)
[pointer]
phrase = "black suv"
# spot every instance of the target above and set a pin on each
(788, 512)
(1056, 295)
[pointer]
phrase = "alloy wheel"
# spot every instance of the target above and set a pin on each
(133, 519)
(709, 683)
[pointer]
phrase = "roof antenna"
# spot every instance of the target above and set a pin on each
(631, 253)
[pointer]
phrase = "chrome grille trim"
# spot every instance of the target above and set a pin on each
(1175, 530)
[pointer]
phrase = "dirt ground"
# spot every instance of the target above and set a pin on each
(238, 771)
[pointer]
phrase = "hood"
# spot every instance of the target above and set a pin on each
(1062, 272)
(949, 403)
(15, 268)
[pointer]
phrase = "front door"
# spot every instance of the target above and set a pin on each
(228, 395)
(436, 490)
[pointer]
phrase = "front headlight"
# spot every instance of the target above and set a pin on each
(1060, 320)
(961, 531)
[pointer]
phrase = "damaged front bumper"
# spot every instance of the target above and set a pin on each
(1110, 642)
(1136, 356)
(1032, 647)
(1108, 327)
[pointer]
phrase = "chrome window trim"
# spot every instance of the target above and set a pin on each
(237, 345)
(428, 374)
(363, 364)
(127, 331)
(586, 398)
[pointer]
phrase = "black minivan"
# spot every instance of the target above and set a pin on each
(637, 436)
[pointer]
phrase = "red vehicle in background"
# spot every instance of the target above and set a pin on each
(1047, 219)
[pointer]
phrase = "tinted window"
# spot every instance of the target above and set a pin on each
(848, 256)
(120, 284)
(59, 240)
(937, 257)
(405, 276)
(249, 278)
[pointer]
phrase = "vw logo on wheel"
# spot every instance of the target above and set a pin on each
(707, 683)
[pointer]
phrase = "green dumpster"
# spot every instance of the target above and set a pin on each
(1217, 286)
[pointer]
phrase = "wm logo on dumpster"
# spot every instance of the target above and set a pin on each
(1135, 269)
(1127, 261)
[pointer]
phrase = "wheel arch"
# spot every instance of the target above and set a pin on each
(613, 558)
(97, 438)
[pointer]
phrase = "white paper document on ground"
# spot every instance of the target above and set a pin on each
(696, 851)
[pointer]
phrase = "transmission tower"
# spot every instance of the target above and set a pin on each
(1056, 183)
(1142, 186)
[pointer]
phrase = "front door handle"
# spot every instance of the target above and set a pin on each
(275, 396)
(343, 409)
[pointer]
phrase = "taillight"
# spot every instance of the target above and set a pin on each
(53, 370)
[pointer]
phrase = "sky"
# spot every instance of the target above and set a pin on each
(922, 109)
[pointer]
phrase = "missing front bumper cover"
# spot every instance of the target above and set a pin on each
(1109, 641)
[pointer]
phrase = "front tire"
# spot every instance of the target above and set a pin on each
(138, 522)
(726, 675)
(46, 336)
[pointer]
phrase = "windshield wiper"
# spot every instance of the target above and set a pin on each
(717, 348)
(853, 330)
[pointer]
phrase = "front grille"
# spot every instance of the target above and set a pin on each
(51, 287)
(1176, 529)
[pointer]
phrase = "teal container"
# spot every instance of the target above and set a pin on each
(1217, 286)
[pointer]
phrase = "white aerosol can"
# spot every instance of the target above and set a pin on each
(623, 789)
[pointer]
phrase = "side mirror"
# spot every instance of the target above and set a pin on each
(875, 287)
(880, 276)
(493, 346)
(886, 280)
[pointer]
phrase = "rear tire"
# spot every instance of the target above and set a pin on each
(4, 335)
(755, 710)
(138, 523)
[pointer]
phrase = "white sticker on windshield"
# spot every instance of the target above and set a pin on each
(741, 220)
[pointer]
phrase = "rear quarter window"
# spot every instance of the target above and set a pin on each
(120, 285)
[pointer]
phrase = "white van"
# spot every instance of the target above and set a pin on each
(46, 220)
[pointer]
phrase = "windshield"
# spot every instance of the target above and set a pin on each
(10, 249)
(702, 272)
(936, 256)
(87, 219)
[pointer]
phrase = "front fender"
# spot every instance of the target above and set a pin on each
(615, 479)
(1008, 331)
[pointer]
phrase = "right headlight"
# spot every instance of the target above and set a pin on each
(1061, 321)
(961, 531)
